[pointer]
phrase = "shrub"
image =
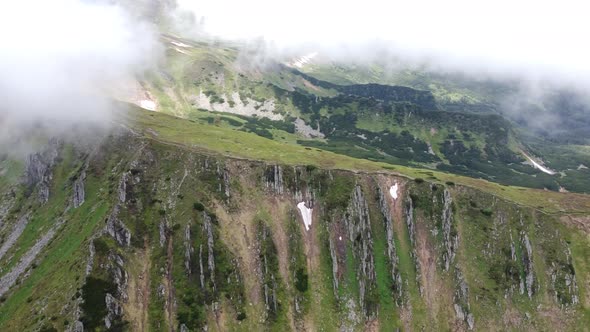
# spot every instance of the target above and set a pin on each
(301, 280)
(419, 180)
(487, 212)
(198, 206)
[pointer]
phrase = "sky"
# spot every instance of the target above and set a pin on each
(525, 35)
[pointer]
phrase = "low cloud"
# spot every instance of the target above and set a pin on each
(60, 60)
(533, 38)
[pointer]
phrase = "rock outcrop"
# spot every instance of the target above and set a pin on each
(274, 179)
(114, 310)
(450, 237)
(358, 223)
(27, 259)
(188, 249)
(117, 229)
(461, 301)
(208, 230)
(38, 170)
(527, 284)
(17, 230)
(79, 194)
(391, 251)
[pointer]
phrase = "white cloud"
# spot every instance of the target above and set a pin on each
(57, 59)
(526, 35)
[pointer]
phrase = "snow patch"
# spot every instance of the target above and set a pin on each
(539, 166)
(305, 214)
(179, 44)
(393, 191)
(180, 51)
(147, 104)
(302, 61)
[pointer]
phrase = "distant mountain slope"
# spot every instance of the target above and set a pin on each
(391, 123)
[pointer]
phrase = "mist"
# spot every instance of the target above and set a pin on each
(532, 37)
(59, 62)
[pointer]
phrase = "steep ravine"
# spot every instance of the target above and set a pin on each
(168, 239)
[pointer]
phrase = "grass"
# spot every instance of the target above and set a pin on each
(221, 140)
(62, 265)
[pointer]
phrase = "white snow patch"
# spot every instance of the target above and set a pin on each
(305, 214)
(340, 238)
(180, 51)
(393, 191)
(302, 61)
(582, 166)
(179, 44)
(147, 104)
(539, 166)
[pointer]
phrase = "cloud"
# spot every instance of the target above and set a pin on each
(58, 60)
(530, 36)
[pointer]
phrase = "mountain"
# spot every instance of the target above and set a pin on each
(461, 129)
(156, 227)
(239, 192)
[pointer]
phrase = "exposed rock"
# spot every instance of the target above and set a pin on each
(183, 328)
(226, 183)
(270, 284)
(208, 229)
(306, 130)
(302, 191)
(17, 230)
(90, 262)
(450, 237)
(334, 265)
(188, 249)
(6, 204)
(358, 222)
(410, 223)
(274, 179)
(78, 188)
(202, 271)
(10, 278)
(119, 275)
(38, 170)
(122, 190)
(527, 261)
(461, 301)
(234, 104)
(162, 230)
(114, 310)
(391, 251)
(78, 326)
(409, 212)
(563, 281)
(117, 229)
(161, 291)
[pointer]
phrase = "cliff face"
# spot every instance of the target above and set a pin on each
(140, 235)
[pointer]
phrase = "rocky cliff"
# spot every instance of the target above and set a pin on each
(140, 235)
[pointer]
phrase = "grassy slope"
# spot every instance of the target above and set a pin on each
(223, 140)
